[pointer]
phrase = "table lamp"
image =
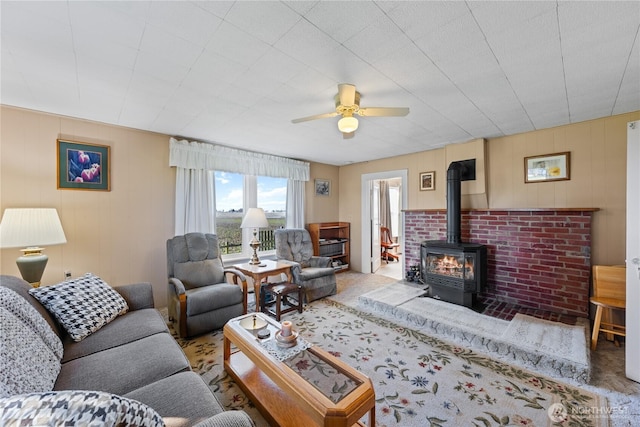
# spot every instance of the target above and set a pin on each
(255, 218)
(29, 228)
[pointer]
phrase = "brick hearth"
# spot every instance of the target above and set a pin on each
(538, 258)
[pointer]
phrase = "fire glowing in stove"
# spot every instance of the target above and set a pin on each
(452, 266)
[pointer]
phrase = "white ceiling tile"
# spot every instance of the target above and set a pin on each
(48, 65)
(190, 101)
(407, 59)
(149, 90)
(103, 77)
(170, 119)
(232, 43)
(343, 20)
(162, 44)
(139, 114)
(101, 20)
(277, 66)
(496, 18)
(185, 20)
(138, 10)
(309, 82)
(296, 43)
(377, 40)
(219, 8)
(105, 51)
(212, 72)
(30, 14)
(420, 19)
(160, 68)
(266, 21)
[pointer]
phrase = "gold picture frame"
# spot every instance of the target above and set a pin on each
(428, 181)
(547, 167)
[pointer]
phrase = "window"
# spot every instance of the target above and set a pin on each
(235, 193)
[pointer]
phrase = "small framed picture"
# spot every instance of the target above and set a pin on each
(83, 166)
(427, 181)
(548, 167)
(323, 187)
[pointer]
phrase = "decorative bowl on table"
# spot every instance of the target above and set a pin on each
(253, 323)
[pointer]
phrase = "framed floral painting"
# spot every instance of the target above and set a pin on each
(83, 166)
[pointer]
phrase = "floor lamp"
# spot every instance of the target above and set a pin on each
(29, 228)
(255, 218)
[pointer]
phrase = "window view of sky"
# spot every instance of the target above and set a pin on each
(272, 192)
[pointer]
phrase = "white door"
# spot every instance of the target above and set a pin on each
(632, 342)
(375, 226)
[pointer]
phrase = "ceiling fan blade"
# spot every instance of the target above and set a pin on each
(349, 135)
(383, 112)
(347, 94)
(317, 116)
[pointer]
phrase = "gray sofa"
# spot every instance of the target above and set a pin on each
(135, 357)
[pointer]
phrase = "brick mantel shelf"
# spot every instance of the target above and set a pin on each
(537, 257)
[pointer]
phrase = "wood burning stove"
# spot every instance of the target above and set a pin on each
(455, 271)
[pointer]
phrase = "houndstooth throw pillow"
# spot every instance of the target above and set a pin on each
(82, 305)
(76, 408)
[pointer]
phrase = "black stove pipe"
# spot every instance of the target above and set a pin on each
(454, 218)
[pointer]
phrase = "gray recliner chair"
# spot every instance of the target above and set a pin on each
(202, 294)
(313, 273)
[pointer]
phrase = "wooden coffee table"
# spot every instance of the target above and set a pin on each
(260, 272)
(289, 397)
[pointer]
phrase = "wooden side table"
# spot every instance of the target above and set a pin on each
(282, 293)
(260, 272)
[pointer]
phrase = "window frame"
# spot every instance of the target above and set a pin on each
(250, 200)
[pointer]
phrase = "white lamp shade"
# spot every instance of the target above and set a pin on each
(348, 124)
(31, 227)
(255, 218)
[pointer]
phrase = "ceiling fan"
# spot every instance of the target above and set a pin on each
(347, 105)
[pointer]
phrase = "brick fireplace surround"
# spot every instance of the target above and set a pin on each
(537, 258)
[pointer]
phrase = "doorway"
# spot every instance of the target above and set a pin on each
(371, 253)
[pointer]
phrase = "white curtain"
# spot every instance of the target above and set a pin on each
(195, 201)
(385, 206)
(295, 204)
(249, 196)
(195, 192)
(199, 155)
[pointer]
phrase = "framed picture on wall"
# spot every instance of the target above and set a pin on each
(83, 166)
(323, 187)
(548, 167)
(427, 181)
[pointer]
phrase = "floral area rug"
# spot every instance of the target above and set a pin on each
(419, 380)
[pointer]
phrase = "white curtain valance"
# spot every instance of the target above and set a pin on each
(200, 155)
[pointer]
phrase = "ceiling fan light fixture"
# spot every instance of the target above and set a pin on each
(348, 124)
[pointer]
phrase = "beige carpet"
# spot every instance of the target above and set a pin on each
(419, 380)
(607, 363)
(607, 377)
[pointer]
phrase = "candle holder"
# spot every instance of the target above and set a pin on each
(286, 337)
(286, 341)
